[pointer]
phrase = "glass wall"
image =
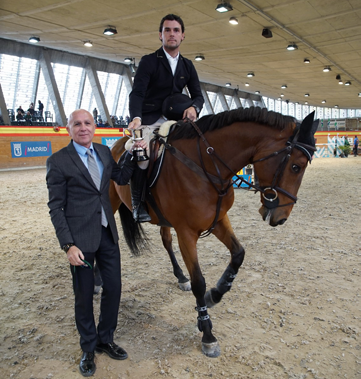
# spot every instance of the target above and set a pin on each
(23, 82)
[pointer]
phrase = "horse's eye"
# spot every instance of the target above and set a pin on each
(295, 168)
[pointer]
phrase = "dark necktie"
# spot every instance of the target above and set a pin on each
(94, 173)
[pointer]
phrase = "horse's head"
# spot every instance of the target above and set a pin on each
(279, 173)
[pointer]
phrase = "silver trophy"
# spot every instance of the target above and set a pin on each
(139, 153)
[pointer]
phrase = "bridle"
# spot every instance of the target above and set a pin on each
(270, 202)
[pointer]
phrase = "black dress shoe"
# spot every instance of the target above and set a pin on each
(113, 350)
(87, 366)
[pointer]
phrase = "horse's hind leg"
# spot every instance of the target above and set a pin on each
(188, 245)
(183, 281)
(224, 232)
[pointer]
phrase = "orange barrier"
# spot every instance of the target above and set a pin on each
(29, 146)
(42, 141)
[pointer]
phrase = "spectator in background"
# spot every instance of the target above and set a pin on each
(28, 118)
(31, 109)
(21, 110)
(100, 123)
(355, 146)
(40, 108)
(95, 115)
(19, 116)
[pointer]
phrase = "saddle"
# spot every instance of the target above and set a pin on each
(156, 156)
(156, 151)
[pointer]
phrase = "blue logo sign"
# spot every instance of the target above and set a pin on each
(109, 141)
(30, 149)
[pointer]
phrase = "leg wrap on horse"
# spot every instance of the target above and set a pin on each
(203, 318)
(225, 282)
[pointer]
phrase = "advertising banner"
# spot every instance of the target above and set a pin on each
(30, 149)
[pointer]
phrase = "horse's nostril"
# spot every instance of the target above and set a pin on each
(281, 222)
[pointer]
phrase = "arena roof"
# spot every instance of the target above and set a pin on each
(327, 33)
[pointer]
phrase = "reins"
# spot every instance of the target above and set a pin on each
(271, 202)
(293, 142)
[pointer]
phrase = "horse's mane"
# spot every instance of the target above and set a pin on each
(212, 122)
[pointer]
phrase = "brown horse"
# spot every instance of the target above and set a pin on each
(194, 190)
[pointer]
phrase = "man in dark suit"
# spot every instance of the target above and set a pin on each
(159, 75)
(78, 178)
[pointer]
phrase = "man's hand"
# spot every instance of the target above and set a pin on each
(135, 124)
(190, 113)
(75, 256)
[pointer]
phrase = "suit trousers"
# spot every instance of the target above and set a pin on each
(108, 260)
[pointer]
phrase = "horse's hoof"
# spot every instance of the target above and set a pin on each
(211, 350)
(185, 286)
(209, 300)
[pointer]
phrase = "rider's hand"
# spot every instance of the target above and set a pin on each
(135, 124)
(190, 113)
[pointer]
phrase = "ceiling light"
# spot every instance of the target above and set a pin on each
(323, 101)
(359, 94)
(292, 46)
(233, 21)
(88, 43)
(306, 102)
(267, 33)
(279, 98)
(347, 83)
(199, 58)
(306, 60)
(282, 95)
(110, 30)
(327, 69)
(246, 84)
(336, 106)
(224, 7)
(338, 77)
(340, 81)
(257, 92)
(250, 75)
(228, 84)
(128, 60)
(307, 94)
(284, 86)
(34, 39)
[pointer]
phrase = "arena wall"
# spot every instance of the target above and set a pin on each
(30, 146)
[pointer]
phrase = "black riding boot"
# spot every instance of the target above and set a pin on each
(136, 186)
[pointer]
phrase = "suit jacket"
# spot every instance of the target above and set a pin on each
(154, 81)
(74, 200)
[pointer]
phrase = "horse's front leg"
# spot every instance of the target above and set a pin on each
(183, 281)
(187, 243)
(224, 232)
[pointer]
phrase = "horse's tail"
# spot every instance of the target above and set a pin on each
(134, 234)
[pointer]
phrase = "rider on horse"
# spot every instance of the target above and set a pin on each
(160, 75)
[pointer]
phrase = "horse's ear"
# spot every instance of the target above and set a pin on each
(308, 129)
